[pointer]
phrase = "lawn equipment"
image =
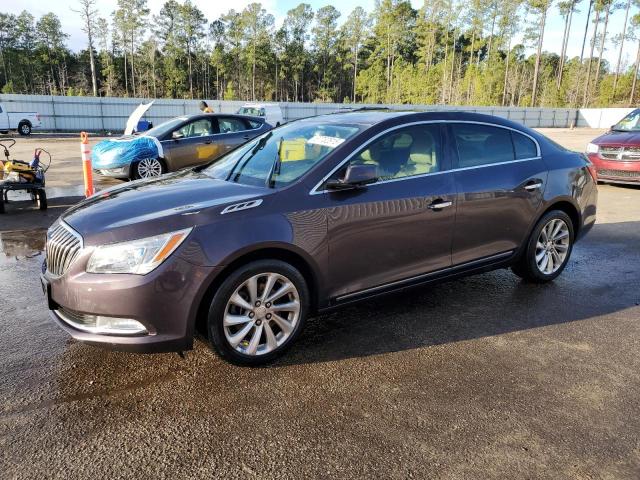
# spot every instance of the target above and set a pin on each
(19, 175)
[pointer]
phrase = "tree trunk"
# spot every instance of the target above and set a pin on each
(126, 78)
(190, 71)
(493, 26)
(133, 72)
(506, 73)
(624, 34)
(586, 30)
(565, 42)
(355, 71)
(602, 42)
(536, 71)
(635, 77)
(593, 46)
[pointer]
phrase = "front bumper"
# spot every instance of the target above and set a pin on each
(122, 171)
(615, 171)
(165, 302)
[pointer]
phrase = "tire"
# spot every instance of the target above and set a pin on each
(148, 168)
(539, 261)
(24, 128)
(41, 199)
(250, 328)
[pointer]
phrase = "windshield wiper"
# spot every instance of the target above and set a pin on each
(275, 168)
(259, 146)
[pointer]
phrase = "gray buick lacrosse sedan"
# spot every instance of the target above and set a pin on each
(308, 217)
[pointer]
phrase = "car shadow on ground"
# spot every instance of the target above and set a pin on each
(490, 304)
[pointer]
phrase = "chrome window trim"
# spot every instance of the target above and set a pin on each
(315, 191)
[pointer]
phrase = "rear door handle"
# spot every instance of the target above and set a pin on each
(533, 185)
(439, 204)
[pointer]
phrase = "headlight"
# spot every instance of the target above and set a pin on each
(592, 148)
(138, 256)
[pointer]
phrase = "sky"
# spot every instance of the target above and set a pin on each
(214, 8)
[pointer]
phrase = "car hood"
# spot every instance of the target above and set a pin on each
(150, 207)
(618, 139)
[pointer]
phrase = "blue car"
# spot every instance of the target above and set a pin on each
(178, 143)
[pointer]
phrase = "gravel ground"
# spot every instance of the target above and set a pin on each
(484, 377)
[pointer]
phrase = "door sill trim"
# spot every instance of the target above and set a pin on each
(425, 276)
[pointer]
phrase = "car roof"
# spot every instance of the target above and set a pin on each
(209, 115)
(370, 117)
(256, 104)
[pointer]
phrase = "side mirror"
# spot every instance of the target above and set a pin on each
(356, 176)
(176, 135)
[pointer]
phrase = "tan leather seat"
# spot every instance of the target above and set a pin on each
(422, 157)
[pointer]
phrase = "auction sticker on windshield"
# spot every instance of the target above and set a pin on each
(325, 141)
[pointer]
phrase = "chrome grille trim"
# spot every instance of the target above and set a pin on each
(62, 248)
(621, 154)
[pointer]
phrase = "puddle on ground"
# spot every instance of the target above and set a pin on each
(22, 244)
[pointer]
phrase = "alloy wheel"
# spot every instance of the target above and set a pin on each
(552, 246)
(149, 167)
(261, 314)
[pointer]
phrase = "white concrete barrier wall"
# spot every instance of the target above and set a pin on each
(601, 117)
(110, 114)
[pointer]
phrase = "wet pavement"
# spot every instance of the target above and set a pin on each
(483, 377)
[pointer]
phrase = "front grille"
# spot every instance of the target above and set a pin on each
(621, 154)
(618, 173)
(63, 247)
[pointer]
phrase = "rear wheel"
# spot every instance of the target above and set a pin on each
(149, 168)
(24, 128)
(41, 199)
(258, 312)
(548, 249)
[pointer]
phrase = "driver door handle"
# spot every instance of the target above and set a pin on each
(439, 204)
(533, 185)
(246, 137)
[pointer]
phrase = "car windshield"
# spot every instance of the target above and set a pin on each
(164, 128)
(630, 123)
(281, 156)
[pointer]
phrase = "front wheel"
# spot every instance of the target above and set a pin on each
(258, 312)
(24, 128)
(148, 168)
(548, 249)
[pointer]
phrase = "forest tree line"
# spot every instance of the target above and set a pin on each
(471, 52)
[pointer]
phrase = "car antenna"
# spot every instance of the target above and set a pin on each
(277, 163)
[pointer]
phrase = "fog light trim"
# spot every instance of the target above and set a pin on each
(101, 324)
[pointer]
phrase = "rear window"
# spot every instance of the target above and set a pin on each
(523, 146)
(482, 144)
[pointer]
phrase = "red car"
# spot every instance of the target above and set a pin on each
(616, 154)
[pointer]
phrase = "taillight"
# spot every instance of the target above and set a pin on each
(592, 170)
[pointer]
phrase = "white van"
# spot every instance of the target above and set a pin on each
(269, 111)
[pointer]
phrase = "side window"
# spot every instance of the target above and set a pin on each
(230, 125)
(482, 144)
(197, 128)
(253, 124)
(524, 146)
(404, 152)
